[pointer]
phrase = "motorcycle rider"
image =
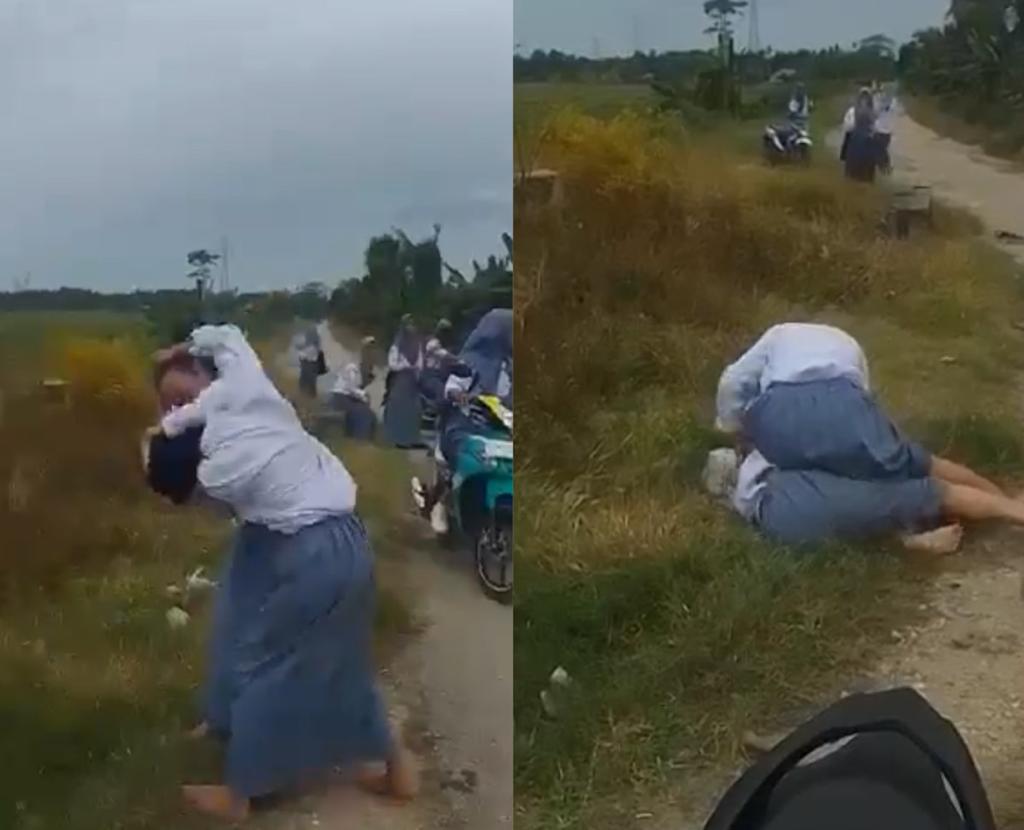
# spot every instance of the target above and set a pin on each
(437, 361)
(484, 368)
(800, 106)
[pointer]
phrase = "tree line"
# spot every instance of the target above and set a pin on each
(974, 65)
(399, 277)
(870, 59)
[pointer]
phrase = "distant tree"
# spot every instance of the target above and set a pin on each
(311, 301)
(882, 44)
(424, 264)
(201, 262)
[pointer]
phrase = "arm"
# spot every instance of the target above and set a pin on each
(396, 360)
(179, 419)
(456, 388)
(227, 346)
(740, 384)
(865, 373)
(435, 349)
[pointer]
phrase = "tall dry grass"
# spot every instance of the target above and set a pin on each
(69, 465)
(666, 257)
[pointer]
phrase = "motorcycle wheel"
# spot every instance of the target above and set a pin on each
(492, 551)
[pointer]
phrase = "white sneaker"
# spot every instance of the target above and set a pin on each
(439, 519)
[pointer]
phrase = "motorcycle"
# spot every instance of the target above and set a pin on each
(787, 145)
(478, 502)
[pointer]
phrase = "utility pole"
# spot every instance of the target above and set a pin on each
(754, 36)
(225, 274)
(636, 33)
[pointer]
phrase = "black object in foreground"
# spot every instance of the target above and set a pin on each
(892, 772)
(174, 464)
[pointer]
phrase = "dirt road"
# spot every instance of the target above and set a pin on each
(453, 683)
(990, 188)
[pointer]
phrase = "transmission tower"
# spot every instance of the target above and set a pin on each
(754, 36)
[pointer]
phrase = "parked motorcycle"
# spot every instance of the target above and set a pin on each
(788, 144)
(478, 502)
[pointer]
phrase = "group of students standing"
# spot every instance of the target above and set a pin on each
(867, 134)
(415, 371)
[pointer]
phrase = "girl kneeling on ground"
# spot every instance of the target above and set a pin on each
(827, 462)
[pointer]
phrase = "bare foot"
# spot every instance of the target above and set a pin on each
(399, 780)
(941, 542)
(217, 801)
(199, 732)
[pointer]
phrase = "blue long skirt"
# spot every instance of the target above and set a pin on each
(833, 426)
(402, 410)
(810, 506)
(292, 683)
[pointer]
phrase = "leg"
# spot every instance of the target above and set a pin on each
(953, 473)
(941, 542)
(811, 507)
(400, 779)
(971, 504)
(217, 801)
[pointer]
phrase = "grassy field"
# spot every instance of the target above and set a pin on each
(536, 103)
(669, 254)
(96, 690)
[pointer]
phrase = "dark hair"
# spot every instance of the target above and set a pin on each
(173, 470)
(186, 363)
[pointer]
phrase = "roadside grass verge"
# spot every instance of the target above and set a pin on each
(96, 690)
(951, 120)
(680, 626)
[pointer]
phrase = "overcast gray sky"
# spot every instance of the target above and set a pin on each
(138, 130)
(621, 25)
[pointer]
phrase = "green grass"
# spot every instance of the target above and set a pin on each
(668, 256)
(96, 691)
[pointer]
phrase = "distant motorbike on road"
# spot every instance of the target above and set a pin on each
(787, 144)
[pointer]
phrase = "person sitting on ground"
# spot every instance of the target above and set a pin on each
(291, 684)
(350, 397)
(800, 106)
(824, 460)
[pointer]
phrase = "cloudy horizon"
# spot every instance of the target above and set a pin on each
(139, 130)
(616, 27)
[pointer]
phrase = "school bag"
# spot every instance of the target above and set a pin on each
(901, 766)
